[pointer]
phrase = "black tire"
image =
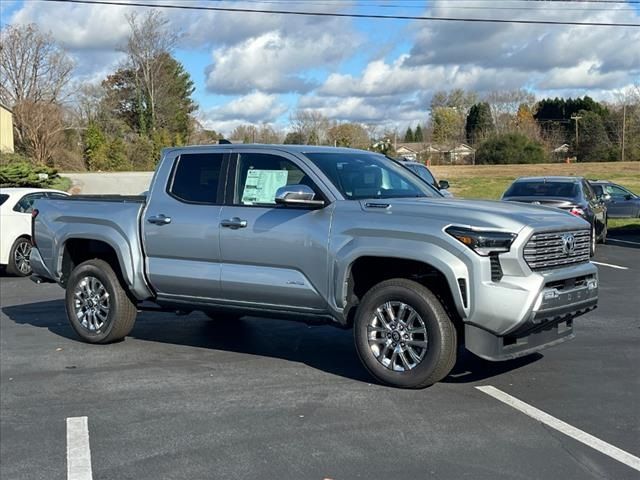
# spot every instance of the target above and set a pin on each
(16, 257)
(440, 355)
(592, 241)
(222, 317)
(122, 311)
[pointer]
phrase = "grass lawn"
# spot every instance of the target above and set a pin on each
(490, 181)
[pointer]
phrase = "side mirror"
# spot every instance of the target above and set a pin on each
(443, 184)
(297, 195)
(628, 196)
(605, 197)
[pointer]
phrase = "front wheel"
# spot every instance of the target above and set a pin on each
(403, 335)
(98, 308)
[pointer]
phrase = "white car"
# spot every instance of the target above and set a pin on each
(16, 205)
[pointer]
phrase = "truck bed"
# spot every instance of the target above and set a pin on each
(107, 198)
(112, 220)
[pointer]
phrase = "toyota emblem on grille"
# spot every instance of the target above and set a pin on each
(568, 244)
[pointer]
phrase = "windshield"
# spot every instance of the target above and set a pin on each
(369, 175)
(543, 189)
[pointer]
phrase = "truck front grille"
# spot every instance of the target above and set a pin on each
(547, 250)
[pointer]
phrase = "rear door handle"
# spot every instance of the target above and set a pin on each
(159, 220)
(233, 223)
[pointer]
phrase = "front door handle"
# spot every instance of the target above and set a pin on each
(234, 223)
(159, 220)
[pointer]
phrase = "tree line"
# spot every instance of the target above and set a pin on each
(146, 104)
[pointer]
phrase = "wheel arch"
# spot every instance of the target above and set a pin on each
(365, 271)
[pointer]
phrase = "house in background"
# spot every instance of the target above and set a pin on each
(6, 130)
(460, 154)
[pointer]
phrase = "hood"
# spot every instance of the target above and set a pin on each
(510, 216)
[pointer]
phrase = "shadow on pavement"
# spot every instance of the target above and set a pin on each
(323, 347)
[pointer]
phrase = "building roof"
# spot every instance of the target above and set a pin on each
(3, 106)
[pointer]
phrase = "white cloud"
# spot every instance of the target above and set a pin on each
(257, 107)
(275, 62)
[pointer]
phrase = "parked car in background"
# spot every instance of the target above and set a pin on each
(621, 202)
(425, 174)
(573, 194)
(16, 205)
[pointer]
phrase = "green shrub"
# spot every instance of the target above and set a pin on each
(510, 148)
(23, 174)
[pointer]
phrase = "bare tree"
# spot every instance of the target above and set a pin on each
(311, 124)
(504, 106)
(32, 66)
(148, 49)
(42, 126)
(34, 73)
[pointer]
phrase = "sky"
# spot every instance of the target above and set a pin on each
(260, 68)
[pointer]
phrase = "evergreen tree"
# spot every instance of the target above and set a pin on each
(417, 135)
(479, 123)
(408, 137)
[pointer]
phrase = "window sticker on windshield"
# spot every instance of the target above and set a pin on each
(261, 185)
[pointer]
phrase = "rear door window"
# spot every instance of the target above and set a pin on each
(197, 178)
(25, 204)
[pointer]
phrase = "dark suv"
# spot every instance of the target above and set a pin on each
(621, 202)
(573, 194)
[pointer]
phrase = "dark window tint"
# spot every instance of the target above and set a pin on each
(56, 196)
(423, 173)
(3, 198)
(597, 189)
(368, 175)
(588, 192)
(617, 192)
(197, 178)
(25, 204)
(261, 174)
(543, 189)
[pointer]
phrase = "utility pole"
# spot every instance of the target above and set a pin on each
(576, 118)
(624, 124)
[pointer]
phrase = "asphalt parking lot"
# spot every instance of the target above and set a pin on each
(190, 398)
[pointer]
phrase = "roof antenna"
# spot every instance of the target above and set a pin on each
(223, 141)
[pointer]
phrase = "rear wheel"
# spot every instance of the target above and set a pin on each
(98, 308)
(403, 335)
(19, 258)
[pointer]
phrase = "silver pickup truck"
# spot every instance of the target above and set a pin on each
(318, 233)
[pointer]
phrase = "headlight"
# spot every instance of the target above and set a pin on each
(483, 242)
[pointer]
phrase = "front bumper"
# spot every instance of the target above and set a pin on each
(546, 317)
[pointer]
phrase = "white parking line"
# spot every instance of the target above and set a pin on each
(562, 427)
(78, 451)
(609, 265)
(622, 241)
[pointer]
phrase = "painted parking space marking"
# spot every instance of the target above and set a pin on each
(622, 241)
(610, 265)
(78, 451)
(562, 427)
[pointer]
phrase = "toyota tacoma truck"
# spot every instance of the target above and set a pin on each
(318, 233)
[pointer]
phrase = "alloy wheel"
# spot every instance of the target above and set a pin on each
(397, 336)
